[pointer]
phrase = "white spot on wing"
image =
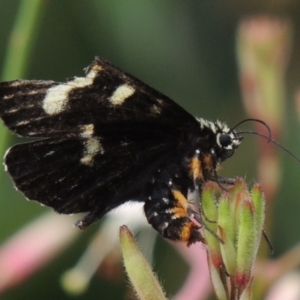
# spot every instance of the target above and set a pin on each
(123, 143)
(155, 109)
(92, 147)
(49, 153)
(57, 97)
(16, 83)
(8, 97)
(33, 92)
(23, 123)
(121, 94)
(94, 71)
(13, 110)
(87, 130)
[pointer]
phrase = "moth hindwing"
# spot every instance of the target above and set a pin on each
(108, 138)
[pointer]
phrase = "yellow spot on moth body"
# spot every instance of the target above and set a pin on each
(57, 97)
(121, 94)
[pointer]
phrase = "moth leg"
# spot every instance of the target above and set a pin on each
(168, 211)
(225, 180)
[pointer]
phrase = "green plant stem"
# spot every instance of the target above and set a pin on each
(19, 48)
(21, 39)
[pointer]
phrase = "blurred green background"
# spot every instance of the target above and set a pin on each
(185, 49)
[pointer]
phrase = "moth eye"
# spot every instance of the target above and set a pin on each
(225, 139)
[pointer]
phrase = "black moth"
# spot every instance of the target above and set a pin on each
(108, 138)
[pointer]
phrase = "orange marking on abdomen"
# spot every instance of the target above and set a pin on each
(179, 212)
(187, 232)
(181, 201)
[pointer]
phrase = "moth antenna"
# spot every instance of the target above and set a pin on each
(268, 241)
(268, 137)
(206, 218)
(254, 120)
(213, 234)
(273, 142)
(220, 181)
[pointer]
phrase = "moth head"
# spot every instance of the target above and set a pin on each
(220, 140)
(227, 142)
